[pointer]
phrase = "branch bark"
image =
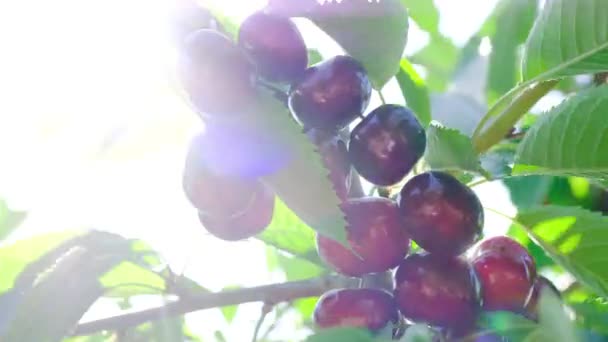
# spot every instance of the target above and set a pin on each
(273, 294)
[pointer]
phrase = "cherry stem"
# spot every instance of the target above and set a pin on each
(382, 99)
(202, 299)
(266, 309)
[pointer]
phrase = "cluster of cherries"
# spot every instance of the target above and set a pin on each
(447, 284)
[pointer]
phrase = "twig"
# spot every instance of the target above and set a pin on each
(382, 99)
(266, 309)
(274, 293)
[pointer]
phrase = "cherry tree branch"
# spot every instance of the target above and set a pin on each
(272, 294)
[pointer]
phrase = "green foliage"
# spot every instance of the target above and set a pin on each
(507, 324)
(440, 57)
(570, 37)
(448, 149)
(424, 13)
(312, 198)
(342, 335)
(569, 139)
(414, 91)
(288, 233)
(574, 238)
(514, 19)
(9, 219)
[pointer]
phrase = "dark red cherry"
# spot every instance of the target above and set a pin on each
(373, 309)
(216, 195)
(248, 222)
(386, 144)
(540, 284)
(216, 75)
(506, 274)
(331, 94)
(374, 231)
(441, 214)
(340, 258)
(439, 292)
(275, 45)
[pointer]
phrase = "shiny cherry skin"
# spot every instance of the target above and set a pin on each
(341, 259)
(438, 291)
(372, 309)
(506, 273)
(275, 45)
(387, 144)
(374, 232)
(216, 75)
(203, 187)
(250, 221)
(441, 214)
(331, 94)
(334, 155)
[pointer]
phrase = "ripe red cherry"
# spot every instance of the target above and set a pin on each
(275, 45)
(250, 221)
(203, 187)
(331, 94)
(506, 274)
(441, 214)
(440, 292)
(334, 154)
(374, 231)
(373, 309)
(216, 75)
(386, 144)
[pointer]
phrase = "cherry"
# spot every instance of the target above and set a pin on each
(437, 291)
(250, 221)
(386, 144)
(374, 232)
(373, 309)
(334, 154)
(216, 75)
(331, 94)
(341, 259)
(441, 214)
(506, 274)
(276, 46)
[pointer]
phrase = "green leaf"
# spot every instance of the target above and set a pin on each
(457, 111)
(314, 56)
(439, 57)
(448, 149)
(130, 279)
(9, 219)
(298, 269)
(593, 314)
(312, 198)
(342, 335)
(514, 19)
(569, 37)
(530, 191)
(65, 278)
(553, 321)
(419, 333)
(229, 312)
(16, 256)
(507, 324)
(424, 13)
(575, 238)
(374, 33)
(288, 233)
(414, 91)
(570, 139)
